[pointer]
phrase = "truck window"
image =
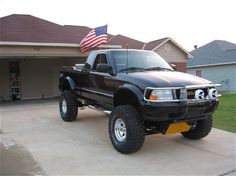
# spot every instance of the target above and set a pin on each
(137, 59)
(89, 62)
(100, 59)
(90, 59)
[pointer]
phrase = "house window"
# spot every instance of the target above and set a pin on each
(199, 73)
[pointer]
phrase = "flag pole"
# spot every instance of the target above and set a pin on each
(127, 59)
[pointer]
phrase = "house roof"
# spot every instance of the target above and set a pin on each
(217, 52)
(27, 28)
(79, 31)
(19, 29)
(153, 44)
(125, 42)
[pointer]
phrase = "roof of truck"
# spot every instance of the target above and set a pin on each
(106, 50)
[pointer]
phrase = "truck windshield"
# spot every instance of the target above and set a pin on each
(139, 61)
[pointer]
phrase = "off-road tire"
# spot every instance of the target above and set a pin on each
(71, 112)
(202, 129)
(135, 133)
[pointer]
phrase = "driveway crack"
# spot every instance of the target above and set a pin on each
(226, 173)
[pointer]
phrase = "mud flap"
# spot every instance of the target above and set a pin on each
(177, 128)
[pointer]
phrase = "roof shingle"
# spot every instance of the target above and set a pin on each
(79, 31)
(27, 28)
(215, 52)
(124, 41)
(153, 44)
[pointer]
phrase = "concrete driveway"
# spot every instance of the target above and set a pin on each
(35, 141)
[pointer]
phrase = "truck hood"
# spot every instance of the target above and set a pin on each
(161, 79)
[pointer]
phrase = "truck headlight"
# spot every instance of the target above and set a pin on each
(158, 94)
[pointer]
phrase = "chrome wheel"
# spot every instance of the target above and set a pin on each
(120, 130)
(64, 106)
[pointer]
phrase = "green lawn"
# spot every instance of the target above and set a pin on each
(225, 115)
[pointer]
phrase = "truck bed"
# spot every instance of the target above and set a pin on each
(76, 67)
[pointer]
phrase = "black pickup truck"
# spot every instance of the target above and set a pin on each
(143, 94)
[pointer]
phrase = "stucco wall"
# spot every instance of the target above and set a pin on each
(225, 75)
(39, 51)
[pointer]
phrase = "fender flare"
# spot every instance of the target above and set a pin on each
(69, 81)
(133, 89)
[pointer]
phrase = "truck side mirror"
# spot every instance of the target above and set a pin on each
(173, 66)
(86, 67)
(105, 68)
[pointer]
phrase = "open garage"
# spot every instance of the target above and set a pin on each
(28, 72)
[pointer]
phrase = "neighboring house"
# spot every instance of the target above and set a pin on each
(32, 51)
(171, 51)
(215, 61)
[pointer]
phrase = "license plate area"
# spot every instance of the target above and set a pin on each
(177, 128)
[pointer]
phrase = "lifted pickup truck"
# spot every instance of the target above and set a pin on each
(142, 92)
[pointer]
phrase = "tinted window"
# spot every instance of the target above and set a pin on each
(100, 59)
(90, 59)
(139, 59)
(199, 73)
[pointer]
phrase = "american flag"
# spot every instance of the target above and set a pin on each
(94, 38)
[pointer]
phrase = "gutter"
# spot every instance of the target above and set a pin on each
(10, 43)
(211, 65)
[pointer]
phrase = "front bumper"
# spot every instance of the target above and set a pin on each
(183, 110)
(189, 102)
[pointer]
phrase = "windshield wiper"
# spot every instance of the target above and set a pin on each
(132, 69)
(158, 68)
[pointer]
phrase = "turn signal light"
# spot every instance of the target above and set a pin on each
(153, 97)
(161, 95)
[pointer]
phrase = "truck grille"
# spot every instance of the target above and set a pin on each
(192, 93)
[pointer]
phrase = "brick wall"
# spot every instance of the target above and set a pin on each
(180, 66)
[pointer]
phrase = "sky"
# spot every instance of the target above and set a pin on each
(188, 22)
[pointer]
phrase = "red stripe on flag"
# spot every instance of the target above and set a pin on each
(90, 42)
(94, 45)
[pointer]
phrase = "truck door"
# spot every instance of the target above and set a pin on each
(101, 84)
